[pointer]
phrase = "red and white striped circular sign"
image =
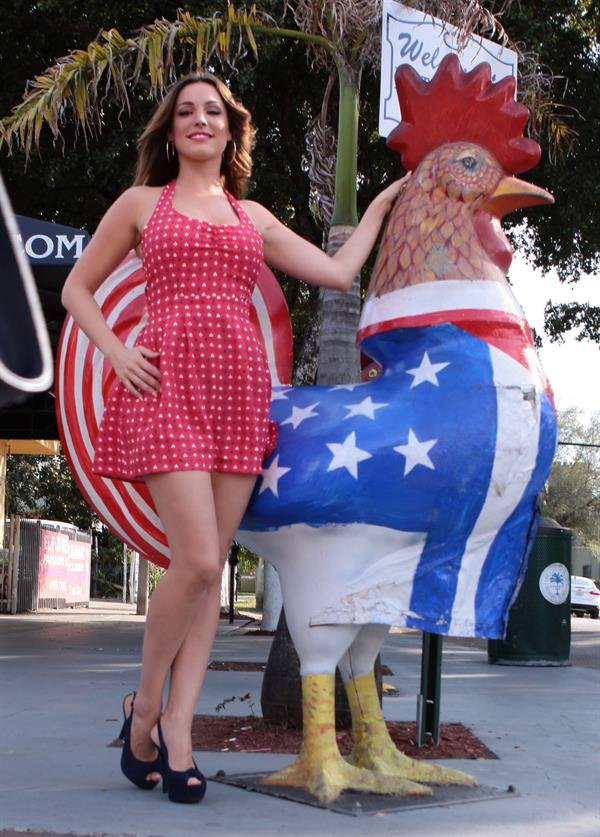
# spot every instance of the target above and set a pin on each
(84, 380)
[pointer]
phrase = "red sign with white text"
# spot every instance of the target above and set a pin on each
(65, 566)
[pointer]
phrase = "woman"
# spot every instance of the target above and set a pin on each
(190, 412)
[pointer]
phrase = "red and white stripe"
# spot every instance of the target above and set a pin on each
(486, 309)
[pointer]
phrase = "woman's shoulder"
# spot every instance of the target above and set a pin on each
(137, 197)
(251, 206)
(142, 194)
(138, 203)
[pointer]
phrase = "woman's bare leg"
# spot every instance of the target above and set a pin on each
(231, 494)
(185, 505)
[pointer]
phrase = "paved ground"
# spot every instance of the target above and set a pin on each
(585, 642)
(62, 677)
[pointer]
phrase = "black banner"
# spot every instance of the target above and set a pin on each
(48, 243)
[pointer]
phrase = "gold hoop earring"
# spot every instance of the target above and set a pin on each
(169, 150)
(229, 162)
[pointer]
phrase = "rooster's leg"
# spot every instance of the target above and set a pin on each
(374, 748)
(320, 768)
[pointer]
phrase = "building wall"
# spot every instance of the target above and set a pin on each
(584, 562)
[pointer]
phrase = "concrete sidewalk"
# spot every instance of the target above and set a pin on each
(63, 676)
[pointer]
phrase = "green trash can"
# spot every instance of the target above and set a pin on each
(539, 622)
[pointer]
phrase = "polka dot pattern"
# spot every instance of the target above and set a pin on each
(212, 410)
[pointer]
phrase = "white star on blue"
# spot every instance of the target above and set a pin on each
(300, 414)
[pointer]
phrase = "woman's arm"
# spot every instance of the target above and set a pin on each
(297, 257)
(117, 233)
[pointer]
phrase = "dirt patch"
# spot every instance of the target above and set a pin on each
(226, 665)
(236, 666)
(251, 735)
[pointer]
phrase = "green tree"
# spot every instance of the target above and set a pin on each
(565, 36)
(572, 496)
(42, 486)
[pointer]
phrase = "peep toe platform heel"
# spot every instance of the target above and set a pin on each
(133, 768)
(175, 782)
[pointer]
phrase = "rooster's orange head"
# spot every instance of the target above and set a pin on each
(461, 134)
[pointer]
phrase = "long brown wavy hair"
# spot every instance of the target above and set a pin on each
(155, 168)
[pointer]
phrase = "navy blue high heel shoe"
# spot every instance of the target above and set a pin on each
(175, 782)
(133, 768)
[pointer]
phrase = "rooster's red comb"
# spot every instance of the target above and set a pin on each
(458, 106)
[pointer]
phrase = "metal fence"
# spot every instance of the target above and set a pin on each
(9, 559)
(28, 572)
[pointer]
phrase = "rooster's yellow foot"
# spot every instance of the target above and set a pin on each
(388, 761)
(328, 778)
(374, 749)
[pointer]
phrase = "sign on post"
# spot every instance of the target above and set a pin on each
(412, 37)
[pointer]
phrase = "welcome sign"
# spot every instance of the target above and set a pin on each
(418, 39)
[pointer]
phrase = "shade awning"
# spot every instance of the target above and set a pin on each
(49, 447)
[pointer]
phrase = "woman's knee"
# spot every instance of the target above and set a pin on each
(198, 576)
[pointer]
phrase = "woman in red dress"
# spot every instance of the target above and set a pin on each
(190, 413)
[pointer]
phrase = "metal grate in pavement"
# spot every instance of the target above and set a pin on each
(357, 804)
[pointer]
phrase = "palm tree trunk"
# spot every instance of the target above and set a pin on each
(339, 360)
(306, 362)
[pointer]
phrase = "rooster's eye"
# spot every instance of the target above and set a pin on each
(470, 163)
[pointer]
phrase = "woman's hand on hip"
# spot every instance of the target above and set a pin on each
(134, 368)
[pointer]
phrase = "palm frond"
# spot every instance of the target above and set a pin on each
(469, 17)
(353, 28)
(549, 121)
(193, 42)
(77, 86)
(71, 89)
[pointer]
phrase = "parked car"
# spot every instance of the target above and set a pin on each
(585, 597)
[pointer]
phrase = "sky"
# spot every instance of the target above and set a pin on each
(572, 367)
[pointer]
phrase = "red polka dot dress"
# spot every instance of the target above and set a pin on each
(212, 410)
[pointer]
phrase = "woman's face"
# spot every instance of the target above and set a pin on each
(200, 126)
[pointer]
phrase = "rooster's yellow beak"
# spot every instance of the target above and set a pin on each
(512, 193)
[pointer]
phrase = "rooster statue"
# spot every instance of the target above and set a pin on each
(411, 499)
